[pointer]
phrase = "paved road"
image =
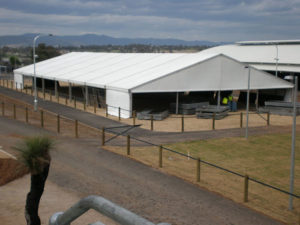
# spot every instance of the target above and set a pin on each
(83, 167)
(151, 136)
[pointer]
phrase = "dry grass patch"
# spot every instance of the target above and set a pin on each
(265, 158)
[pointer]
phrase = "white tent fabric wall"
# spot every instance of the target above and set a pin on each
(219, 73)
(116, 99)
(19, 81)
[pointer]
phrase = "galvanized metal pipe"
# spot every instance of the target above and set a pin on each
(102, 205)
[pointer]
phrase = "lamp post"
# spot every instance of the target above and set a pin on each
(35, 101)
(247, 107)
(293, 143)
(276, 60)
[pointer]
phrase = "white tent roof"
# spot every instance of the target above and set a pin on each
(263, 56)
(138, 72)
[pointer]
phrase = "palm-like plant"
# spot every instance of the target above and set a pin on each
(35, 154)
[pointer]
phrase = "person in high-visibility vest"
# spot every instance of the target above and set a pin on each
(225, 101)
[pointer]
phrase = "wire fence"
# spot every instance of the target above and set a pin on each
(173, 123)
(18, 110)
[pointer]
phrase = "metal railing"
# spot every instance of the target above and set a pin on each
(103, 206)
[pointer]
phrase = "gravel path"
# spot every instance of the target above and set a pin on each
(81, 166)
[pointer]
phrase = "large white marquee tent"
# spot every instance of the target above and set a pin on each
(122, 75)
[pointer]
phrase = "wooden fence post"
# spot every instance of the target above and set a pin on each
(84, 106)
(57, 97)
(58, 123)
(128, 144)
(103, 136)
(50, 93)
(75, 102)
(3, 109)
(160, 156)
(246, 187)
(268, 119)
(76, 128)
(119, 113)
(66, 101)
(133, 117)
(42, 118)
(95, 109)
(15, 112)
(241, 120)
(26, 115)
(151, 122)
(182, 123)
(198, 170)
(213, 121)
(106, 111)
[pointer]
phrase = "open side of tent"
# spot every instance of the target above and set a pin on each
(123, 74)
(219, 73)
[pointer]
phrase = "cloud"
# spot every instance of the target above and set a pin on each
(216, 20)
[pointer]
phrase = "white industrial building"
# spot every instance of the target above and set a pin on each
(122, 76)
(281, 56)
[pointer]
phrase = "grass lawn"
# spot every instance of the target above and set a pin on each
(265, 158)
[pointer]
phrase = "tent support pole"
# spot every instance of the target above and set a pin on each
(86, 95)
(219, 98)
(70, 92)
(43, 85)
(247, 107)
(55, 88)
(177, 102)
(256, 101)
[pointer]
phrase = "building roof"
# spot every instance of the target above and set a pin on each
(137, 72)
(262, 55)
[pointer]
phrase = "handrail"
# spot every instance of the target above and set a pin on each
(103, 206)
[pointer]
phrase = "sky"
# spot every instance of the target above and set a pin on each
(212, 20)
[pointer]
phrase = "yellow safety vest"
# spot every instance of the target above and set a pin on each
(225, 101)
(230, 98)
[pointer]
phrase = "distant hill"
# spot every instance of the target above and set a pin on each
(93, 39)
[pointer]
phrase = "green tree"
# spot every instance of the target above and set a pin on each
(14, 61)
(44, 52)
(34, 153)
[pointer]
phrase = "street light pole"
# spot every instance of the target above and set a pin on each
(247, 107)
(35, 101)
(293, 144)
(276, 60)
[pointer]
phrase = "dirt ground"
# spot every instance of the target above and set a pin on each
(54, 199)
(80, 168)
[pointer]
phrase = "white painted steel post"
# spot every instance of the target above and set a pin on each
(276, 60)
(219, 99)
(293, 144)
(248, 94)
